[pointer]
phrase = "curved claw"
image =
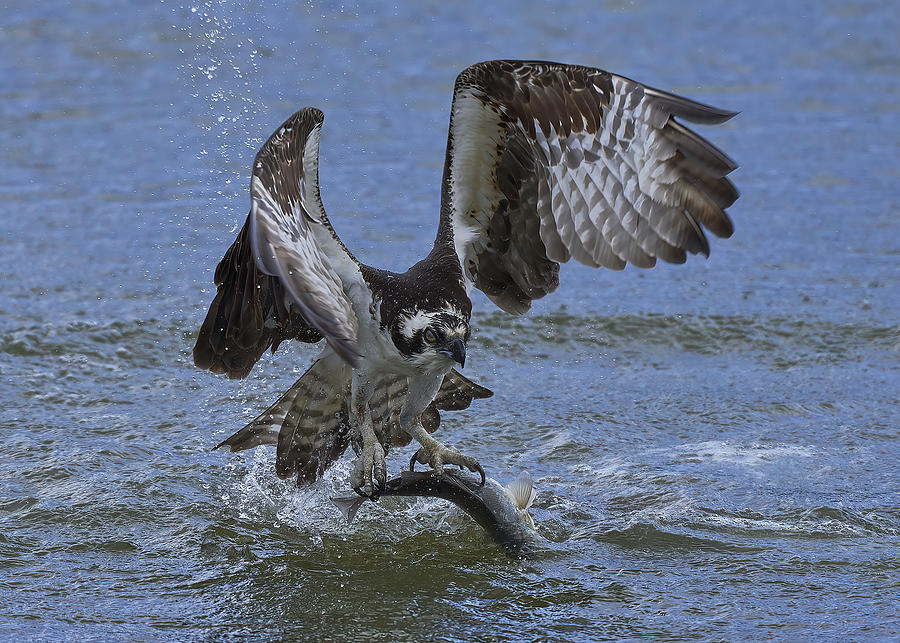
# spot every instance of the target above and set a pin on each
(413, 460)
(481, 473)
(421, 456)
(377, 490)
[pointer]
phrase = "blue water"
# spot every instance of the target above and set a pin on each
(715, 445)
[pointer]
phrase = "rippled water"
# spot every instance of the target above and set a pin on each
(715, 445)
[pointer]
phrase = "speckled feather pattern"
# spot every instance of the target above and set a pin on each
(596, 162)
(310, 423)
(545, 162)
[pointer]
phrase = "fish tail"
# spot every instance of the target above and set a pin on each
(522, 490)
(349, 505)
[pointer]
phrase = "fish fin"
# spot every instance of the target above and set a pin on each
(349, 505)
(522, 490)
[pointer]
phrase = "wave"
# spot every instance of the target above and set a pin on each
(784, 341)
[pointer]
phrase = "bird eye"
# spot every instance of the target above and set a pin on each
(430, 336)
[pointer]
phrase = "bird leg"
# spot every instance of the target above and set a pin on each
(437, 454)
(369, 472)
(434, 453)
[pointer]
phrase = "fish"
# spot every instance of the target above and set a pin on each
(502, 511)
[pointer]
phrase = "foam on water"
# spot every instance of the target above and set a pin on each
(748, 455)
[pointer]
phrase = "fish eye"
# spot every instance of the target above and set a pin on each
(430, 336)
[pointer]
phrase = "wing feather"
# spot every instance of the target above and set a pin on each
(547, 162)
(247, 315)
(287, 274)
(293, 239)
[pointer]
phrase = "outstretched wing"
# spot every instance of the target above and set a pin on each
(287, 274)
(547, 162)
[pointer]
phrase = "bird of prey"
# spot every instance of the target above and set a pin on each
(545, 162)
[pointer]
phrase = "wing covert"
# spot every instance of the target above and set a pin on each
(547, 162)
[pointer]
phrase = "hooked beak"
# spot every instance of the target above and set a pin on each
(457, 351)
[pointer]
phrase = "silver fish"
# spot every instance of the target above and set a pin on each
(501, 510)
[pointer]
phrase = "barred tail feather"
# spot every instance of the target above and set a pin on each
(250, 436)
(310, 423)
(315, 429)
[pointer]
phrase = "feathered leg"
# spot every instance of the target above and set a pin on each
(422, 391)
(369, 467)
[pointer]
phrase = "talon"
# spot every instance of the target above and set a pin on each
(474, 466)
(375, 495)
(480, 470)
(369, 475)
(437, 455)
(419, 456)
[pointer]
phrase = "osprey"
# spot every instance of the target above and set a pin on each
(545, 162)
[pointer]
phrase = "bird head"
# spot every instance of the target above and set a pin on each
(433, 339)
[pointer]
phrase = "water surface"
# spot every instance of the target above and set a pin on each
(715, 445)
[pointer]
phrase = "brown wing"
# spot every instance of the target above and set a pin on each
(247, 315)
(287, 273)
(547, 162)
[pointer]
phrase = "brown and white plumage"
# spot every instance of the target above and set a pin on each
(310, 423)
(545, 162)
(288, 271)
